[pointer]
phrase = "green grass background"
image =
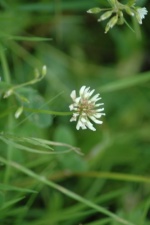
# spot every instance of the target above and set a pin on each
(44, 179)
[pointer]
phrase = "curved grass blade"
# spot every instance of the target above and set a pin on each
(126, 82)
(5, 187)
(66, 191)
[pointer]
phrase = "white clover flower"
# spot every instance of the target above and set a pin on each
(86, 109)
(140, 14)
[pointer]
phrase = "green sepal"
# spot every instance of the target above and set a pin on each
(131, 2)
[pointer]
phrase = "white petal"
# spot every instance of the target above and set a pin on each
(80, 124)
(142, 12)
(71, 107)
(73, 95)
(99, 110)
(90, 125)
(76, 114)
(95, 120)
(96, 105)
(85, 94)
(97, 115)
(88, 93)
(72, 119)
(83, 120)
(82, 90)
(83, 114)
(77, 100)
(91, 92)
(97, 99)
(94, 97)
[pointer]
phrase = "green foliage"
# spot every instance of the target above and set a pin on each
(117, 11)
(131, 2)
(35, 101)
(50, 173)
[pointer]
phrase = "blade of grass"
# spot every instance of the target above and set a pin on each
(100, 222)
(22, 147)
(10, 203)
(12, 139)
(33, 150)
(23, 38)
(65, 191)
(116, 176)
(10, 122)
(13, 188)
(126, 82)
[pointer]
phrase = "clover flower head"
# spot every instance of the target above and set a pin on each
(86, 109)
(141, 12)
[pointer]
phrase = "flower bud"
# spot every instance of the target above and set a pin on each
(105, 16)
(8, 93)
(44, 70)
(94, 10)
(120, 18)
(129, 10)
(18, 112)
(111, 23)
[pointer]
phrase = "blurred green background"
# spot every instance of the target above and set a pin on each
(113, 172)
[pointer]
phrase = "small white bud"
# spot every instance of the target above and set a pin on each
(129, 10)
(111, 23)
(44, 70)
(105, 16)
(18, 112)
(8, 93)
(94, 10)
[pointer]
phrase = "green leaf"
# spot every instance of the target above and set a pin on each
(2, 199)
(75, 162)
(36, 101)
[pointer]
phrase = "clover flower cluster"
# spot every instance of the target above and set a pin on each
(115, 14)
(86, 109)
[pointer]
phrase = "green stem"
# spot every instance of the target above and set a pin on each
(29, 82)
(58, 19)
(7, 79)
(42, 111)
(4, 65)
